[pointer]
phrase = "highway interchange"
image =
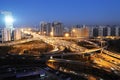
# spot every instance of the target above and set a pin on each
(106, 60)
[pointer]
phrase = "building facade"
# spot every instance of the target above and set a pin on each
(17, 34)
(105, 31)
(57, 29)
(82, 32)
(5, 35)
(45, 28)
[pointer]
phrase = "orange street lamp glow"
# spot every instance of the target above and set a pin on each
(67, 35)
(73, 30)
(44, 32)
(51, 33)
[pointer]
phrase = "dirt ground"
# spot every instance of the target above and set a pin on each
(29, 48)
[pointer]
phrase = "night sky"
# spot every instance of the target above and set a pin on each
(69, 12)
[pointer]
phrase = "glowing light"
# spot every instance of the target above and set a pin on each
(9, 19)
(73, 30)
(67, 35)
(22, 30)
(39, 33)
(44, 32)
(51, 57)
(51, 33)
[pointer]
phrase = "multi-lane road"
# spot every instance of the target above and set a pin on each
(105, 59)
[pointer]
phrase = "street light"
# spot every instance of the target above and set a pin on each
(66, 34)
(39, 33)
(44, 33)
(51, 34)
(73, 32)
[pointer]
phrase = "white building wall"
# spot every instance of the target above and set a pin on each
(58, 29)
(109, 31)
(91, 31)
(17, 34)
(6, 35)
(117, 31)
(100, 31)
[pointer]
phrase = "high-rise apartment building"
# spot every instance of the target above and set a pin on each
(57, 29)
(113, 31)
(5, 35)
(95, 32)
(117, 31)
(105, 31)
(45, 28)
(91, 31)
(17, 34)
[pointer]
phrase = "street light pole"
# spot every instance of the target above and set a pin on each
(102, 48)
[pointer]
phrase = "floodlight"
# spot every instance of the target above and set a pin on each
(9, 19)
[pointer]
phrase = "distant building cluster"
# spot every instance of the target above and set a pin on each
(95, 31)
(105, 31)
(55, 29)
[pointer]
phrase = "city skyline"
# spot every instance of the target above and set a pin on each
(30, 12)
(59, 40)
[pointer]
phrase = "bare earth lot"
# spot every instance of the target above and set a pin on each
(29, 48)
